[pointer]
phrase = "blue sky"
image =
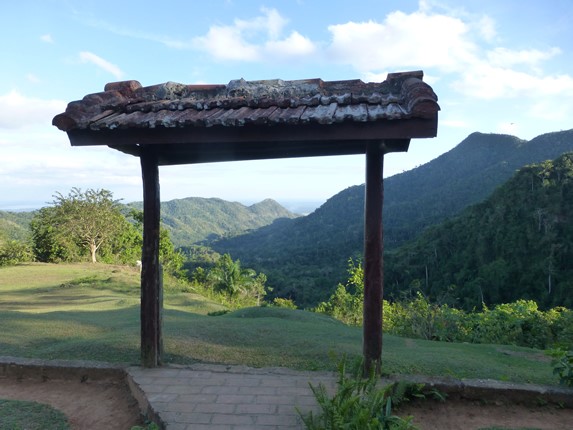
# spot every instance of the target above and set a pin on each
(497, 67)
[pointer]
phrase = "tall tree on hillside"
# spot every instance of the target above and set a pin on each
(88, 219)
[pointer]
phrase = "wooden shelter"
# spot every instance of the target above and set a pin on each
(174, 123)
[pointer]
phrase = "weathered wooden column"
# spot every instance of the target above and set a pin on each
(151, 285)
(373, 259)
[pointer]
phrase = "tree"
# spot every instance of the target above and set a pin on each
(85, 220)
(346, 303)
(171, 259)
(229, 278)
(14, 252)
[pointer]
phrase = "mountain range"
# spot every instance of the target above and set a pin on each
(304, 258)
(516, 244)
(197, 220)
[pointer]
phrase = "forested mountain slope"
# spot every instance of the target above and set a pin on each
(465, 175)
(517, 244)
(194, 219)
(305, 258)
(189, 221)
(15, 225)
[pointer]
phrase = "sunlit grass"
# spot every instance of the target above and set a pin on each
(91, 312)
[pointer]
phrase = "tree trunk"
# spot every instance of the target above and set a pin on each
(93, 250)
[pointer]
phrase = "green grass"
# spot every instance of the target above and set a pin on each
(91, 312)
(20, 415)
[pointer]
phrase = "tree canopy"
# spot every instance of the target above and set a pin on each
(82, 221)
(515, 245)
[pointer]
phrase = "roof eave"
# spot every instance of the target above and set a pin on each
(199, 145)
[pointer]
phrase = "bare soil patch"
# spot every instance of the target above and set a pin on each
(463, 414)
(88, 405)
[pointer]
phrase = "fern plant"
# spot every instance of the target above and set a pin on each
(361, 404)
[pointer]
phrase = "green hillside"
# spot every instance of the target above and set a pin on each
(14, 225)
(516, 244)
(305, 258)
(189, 221)
(91, 312)
(195, 220)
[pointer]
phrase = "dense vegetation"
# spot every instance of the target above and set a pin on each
(305, 258)
(15, 226)
(515, 245)
(517, 323)
(83, 222)
(84, 225)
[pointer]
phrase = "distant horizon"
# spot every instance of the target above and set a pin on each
(302, 206)
(298, 206)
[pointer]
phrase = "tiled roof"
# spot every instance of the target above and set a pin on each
(128, 105)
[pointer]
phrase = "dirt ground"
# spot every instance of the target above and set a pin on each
(460, 414)
(88, 405)
(109, 405)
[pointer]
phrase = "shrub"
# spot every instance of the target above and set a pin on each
(279, 302)
(518, 323)
(562, 327)
(563, 367)
(14, 252)
(345, 304)
(361, 404)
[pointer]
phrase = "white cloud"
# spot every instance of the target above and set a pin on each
(227, 43)
(417, 40)
(253, 39)
(47, 38)
(18, 111)
(90, 57)
(486, 28)
(446, 45)
(504, 57)
(484, 81)
(294, 45)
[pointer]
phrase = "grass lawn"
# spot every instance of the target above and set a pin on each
(91, 312)
(16, 415)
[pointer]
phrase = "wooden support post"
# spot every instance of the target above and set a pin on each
(151, 285)
(373, 258)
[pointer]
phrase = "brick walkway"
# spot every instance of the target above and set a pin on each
(218, 397)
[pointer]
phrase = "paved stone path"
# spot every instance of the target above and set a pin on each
(218, 397)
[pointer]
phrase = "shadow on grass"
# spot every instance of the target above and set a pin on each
(258, 337)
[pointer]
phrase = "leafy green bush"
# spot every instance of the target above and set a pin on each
(561, 327)
(14, 252)
(284, 303)
(519, 323)
(345, 304)
(563, 367)
(362, 404)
